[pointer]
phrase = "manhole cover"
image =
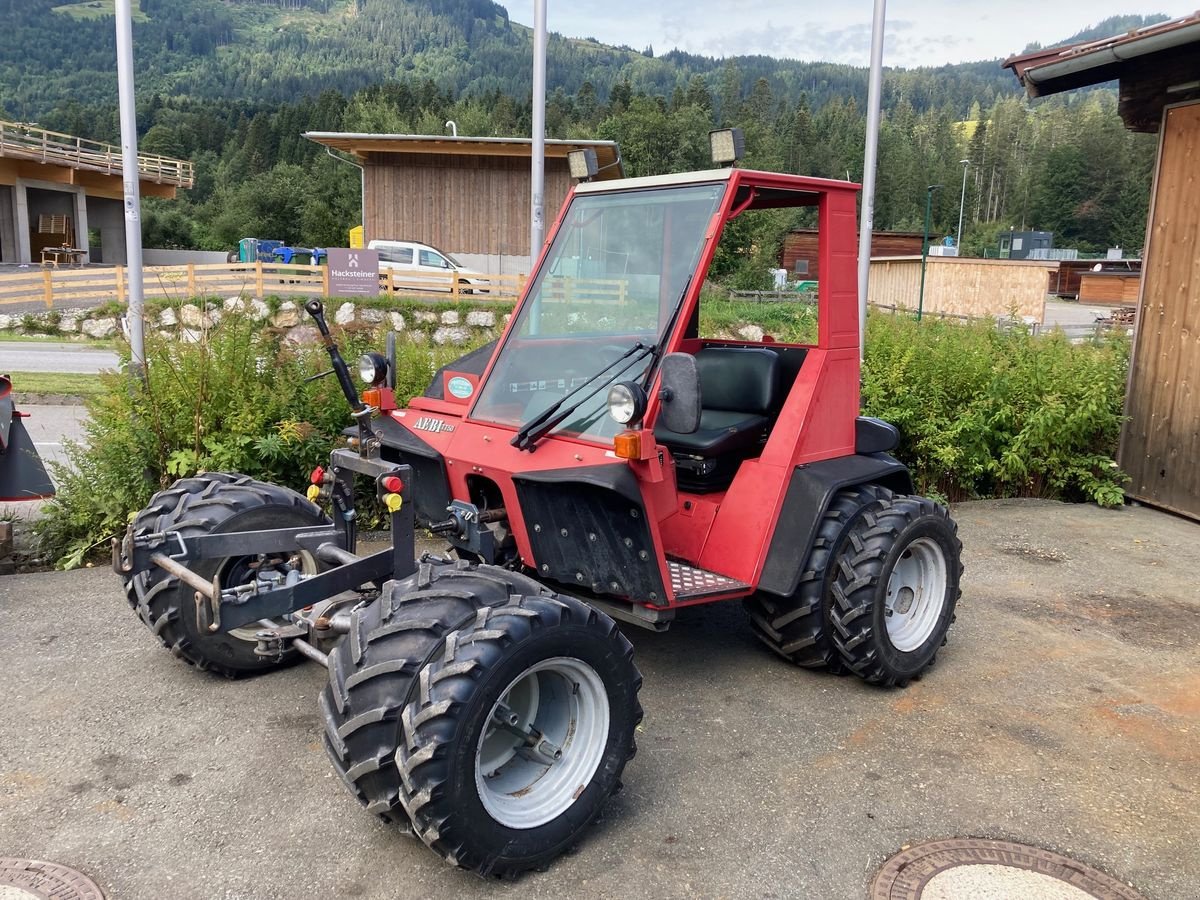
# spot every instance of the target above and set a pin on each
(998, 870)
(29, 879)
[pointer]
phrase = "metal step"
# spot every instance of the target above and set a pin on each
(691, 583)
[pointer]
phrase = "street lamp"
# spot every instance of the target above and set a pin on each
(925, 246)
(966, 164)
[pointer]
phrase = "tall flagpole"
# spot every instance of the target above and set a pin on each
(870, 159)
(129, 174)
(537, 215)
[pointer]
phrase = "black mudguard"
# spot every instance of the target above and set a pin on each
(808, 495)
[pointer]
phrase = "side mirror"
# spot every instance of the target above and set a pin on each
(680, 393)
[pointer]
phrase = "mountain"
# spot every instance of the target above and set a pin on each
(273, 51)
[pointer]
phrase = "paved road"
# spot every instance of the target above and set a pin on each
(1063, 712)
(53, 356)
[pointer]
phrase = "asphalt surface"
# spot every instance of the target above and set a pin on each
(54, 356)
(1064, 712)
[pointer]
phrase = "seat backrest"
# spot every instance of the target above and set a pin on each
(738, 379)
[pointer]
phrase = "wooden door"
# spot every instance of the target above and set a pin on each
(1160, 445)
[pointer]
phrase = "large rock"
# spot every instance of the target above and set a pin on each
(371, 316)
(288, 315)
(234, 304)
(68, 323)
(259, 310)
(345, 314)
(167, 318)
(481, 318)
(398, 323)
(302, 334)
(449, 334)
(100, 328)
(6, 322)
(425, 318)
(191, 316)
(450, 317)
(750, 333)
(191, 335)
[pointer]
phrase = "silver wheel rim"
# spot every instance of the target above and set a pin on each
(302, 560)
(916, 594)
(542, 742)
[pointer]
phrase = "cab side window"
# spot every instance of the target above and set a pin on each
(429, 258)
(396, 254)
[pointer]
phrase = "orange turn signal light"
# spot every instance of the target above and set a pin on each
(372, 397)
(628, 445)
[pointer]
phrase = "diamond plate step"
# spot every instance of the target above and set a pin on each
(690, 583)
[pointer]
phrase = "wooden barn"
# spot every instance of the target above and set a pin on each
(1159, 73)
(467, 196)
(799, 254)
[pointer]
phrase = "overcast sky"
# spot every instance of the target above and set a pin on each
(929, 32)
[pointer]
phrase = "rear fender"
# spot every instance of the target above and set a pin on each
(22, 473)
(808, 495)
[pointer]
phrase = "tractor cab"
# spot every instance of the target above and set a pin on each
(602, 411)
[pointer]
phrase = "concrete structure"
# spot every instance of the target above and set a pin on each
(57, 189)
(466, 196)
(1159, 73)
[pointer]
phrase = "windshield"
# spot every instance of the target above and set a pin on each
(613, 276)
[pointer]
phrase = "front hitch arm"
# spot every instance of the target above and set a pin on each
(362, 412)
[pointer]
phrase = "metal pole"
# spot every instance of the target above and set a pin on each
(870, 157)
(129, 174)
(537, 218)
(925, 247)
(966, 164)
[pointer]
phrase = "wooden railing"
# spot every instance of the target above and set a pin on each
(31, 142)
(89, 286)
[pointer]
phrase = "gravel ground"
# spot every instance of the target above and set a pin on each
(1064, 713)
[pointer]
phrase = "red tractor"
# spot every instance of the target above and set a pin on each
(600, 461)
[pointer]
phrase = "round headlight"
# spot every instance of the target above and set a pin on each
(372, 368)
(626, 402)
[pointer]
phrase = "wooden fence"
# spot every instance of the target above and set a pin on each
(31, 142)
(64, 287)
(967, 288)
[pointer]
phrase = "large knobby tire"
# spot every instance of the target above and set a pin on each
(797, 627)
(895, 589)
(214, 503)
(544, 671)
(371, 670)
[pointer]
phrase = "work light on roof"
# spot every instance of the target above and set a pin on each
(582, 164)
(728, 145)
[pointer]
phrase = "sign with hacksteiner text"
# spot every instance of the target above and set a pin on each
(353, 273)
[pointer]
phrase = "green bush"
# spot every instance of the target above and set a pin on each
(990, 413)
(235, 401)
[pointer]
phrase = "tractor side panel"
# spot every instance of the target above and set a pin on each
(431, 487)
(808, 495)
(589, 528)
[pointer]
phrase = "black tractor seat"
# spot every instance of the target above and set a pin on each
(739, 394)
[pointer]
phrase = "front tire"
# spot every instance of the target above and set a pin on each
(518, 734)
(895, 590)
(371, 671)
(215, 503)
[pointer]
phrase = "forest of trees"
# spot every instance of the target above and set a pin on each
(237, 101)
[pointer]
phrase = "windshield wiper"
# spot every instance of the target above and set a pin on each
(549, 419)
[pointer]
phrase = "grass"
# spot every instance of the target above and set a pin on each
(61, 383)
(98, 9)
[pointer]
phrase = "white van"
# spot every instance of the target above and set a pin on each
(418, 258)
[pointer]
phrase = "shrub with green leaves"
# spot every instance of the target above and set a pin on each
(236, 401)
(990, 413)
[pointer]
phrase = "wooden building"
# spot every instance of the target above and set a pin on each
(59, 190)
(1159, 73)
(1064, 281)
(969, 288)
(468, 196)
(799, 254)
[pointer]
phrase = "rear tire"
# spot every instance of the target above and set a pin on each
(518, 734)
(797, 627)
(214, 503)
(895, 589)
(371, 670)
